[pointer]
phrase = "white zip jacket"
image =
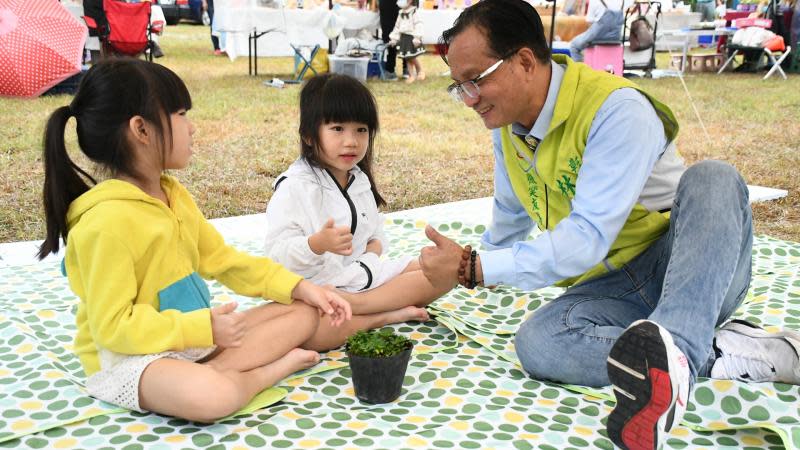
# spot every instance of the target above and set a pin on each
(304, 198)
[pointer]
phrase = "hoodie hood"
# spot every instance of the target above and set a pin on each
(110, 190)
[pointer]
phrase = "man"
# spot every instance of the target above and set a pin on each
(655, 255)
(605, 17)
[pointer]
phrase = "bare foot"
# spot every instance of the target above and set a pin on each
(299, 359)
(407, 314)
(420, 75)
(411, 78)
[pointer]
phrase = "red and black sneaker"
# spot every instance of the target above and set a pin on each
(650, 377)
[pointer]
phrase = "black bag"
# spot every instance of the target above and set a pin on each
(641, 36)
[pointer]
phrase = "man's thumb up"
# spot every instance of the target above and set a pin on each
(329, 223)
(435, 237)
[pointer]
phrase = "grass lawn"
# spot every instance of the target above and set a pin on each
(430, 149)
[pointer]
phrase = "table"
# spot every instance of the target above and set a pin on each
(436, 21)
(304, 26)
(672, 20)
(284, 26)
(688, 34)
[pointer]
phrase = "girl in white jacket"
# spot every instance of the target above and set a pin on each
(407, 37)
(323, 220)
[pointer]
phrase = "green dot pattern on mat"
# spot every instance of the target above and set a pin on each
(463, 388)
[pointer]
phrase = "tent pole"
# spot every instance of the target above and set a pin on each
(552, 24)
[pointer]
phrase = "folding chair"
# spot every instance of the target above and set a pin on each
(303, 62)
(379, 58)
(128, 30)
(644, 60)
(776, 63)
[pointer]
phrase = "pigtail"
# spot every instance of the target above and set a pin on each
(63, 181)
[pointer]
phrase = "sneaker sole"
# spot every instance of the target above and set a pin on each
(638, 366)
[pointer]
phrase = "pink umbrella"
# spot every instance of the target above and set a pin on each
(41, 44)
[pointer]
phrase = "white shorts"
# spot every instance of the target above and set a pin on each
(355, 278)
(117, 381)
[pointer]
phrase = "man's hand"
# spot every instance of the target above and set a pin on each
(227, 326)
(328, 302)
(439, 263)
(375, 246)
(332, 239)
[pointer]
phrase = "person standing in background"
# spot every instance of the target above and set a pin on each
(388, 12)
(706, 8)
(407, 39)
(208, 7)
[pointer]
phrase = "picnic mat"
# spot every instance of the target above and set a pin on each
(463, 389)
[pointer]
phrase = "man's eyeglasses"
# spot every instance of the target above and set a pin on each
(470, 87)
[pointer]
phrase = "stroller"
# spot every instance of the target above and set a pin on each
(643, 59)
(125, 29)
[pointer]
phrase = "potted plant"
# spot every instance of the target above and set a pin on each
(378, 362)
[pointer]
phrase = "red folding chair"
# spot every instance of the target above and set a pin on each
(128, 31)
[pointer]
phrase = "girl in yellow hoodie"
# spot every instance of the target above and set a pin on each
(138, 248)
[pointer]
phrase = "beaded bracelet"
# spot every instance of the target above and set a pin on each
(462, 265)
(473, 282)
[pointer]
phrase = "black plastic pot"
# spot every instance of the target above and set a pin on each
(379, 380)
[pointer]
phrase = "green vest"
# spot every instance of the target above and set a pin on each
(546, 187)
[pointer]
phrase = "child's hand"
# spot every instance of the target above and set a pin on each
(392, 43)
(327, 301)
(227, 326)
(416, 41)
(332, 239)
(374, 246)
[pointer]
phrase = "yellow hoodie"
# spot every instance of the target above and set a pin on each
(134, 263)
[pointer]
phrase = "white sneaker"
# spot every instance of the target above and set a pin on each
(746, 352)
(650, 377)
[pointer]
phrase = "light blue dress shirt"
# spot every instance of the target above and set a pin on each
(625, 141)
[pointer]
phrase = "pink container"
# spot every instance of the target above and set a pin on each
(605, 57)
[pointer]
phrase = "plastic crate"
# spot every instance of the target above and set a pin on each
(346, 65)
(373, 69)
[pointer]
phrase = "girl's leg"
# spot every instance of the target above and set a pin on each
(273, 330)
(201, 393)
(410, 288)
(328, 337)
(412, 70)
(420, 73)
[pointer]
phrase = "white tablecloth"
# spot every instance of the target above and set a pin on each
(435, 21)
(304, 26)
(284, 26)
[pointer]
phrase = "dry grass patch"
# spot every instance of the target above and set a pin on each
(430, 150)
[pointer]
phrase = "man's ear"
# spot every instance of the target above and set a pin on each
(527, 59)
(139, 129)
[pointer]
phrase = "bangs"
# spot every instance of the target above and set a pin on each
(170, 91)
(347, 100)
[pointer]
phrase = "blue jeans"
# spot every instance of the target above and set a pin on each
(689, 281)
